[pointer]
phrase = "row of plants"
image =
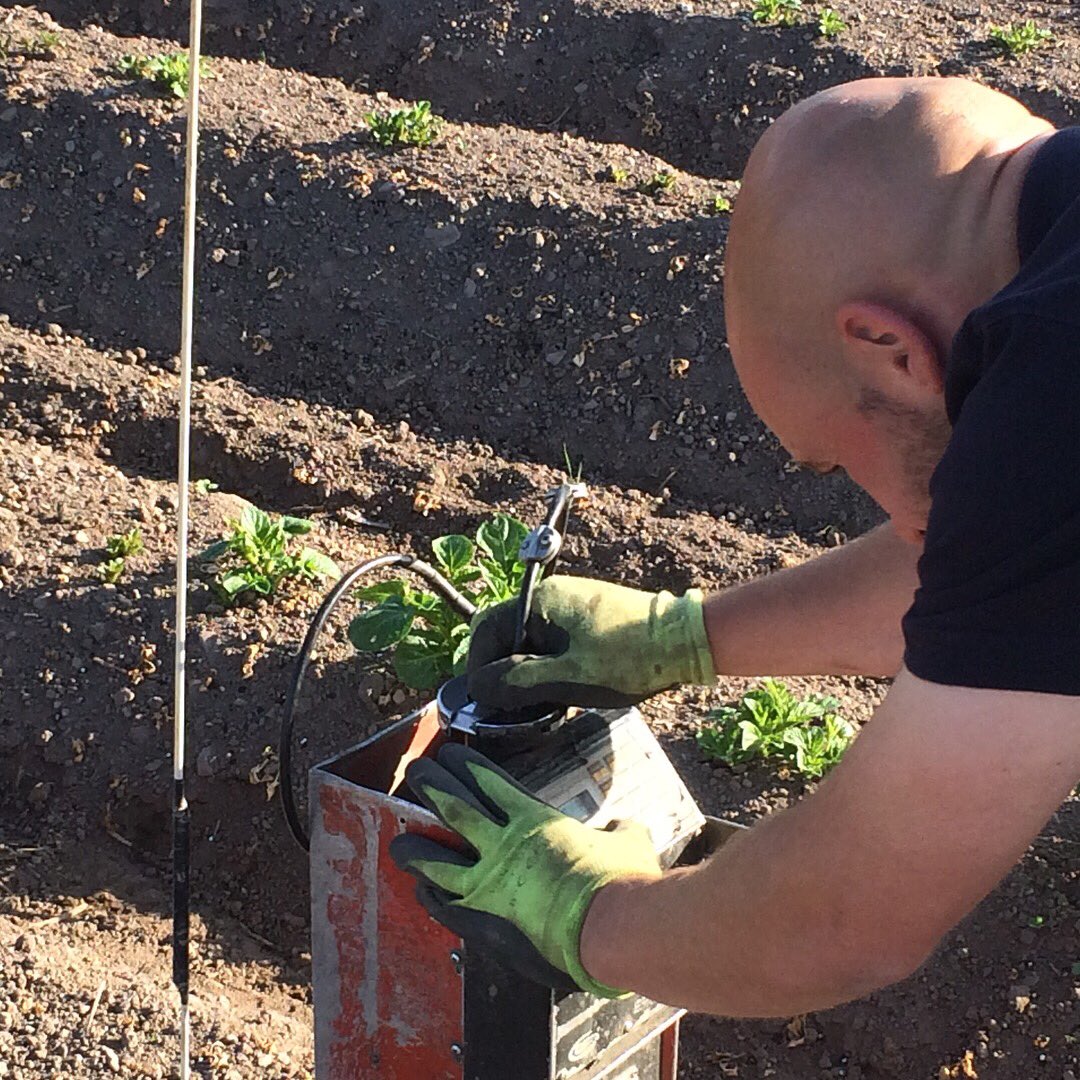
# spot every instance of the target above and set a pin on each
(416, 124)
(427, 641)
(1011, 39)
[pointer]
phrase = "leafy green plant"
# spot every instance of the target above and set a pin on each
(720, 204)
(169, 70)
(819, 747)
(617, 175)
(42, 46)
(414, 126)
(429, 638)
(830, 24)
(776, 12)
(112, 570)
(119, 548)
(1015, 39)
(661, 182)
(255, 557)
(770, 722)
(123, 545)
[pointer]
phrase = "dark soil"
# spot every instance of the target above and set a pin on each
(414, 339)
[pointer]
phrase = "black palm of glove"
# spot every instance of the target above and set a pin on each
(524, 894)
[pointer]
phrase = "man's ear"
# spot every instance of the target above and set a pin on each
(889, 352)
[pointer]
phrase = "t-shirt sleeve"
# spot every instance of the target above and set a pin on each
(998, 602)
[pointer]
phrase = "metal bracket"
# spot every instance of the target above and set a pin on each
(541, 547)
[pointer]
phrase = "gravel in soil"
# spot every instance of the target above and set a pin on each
(412, 340)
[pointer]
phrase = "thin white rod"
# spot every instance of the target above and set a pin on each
(187, 321)
(181, 864)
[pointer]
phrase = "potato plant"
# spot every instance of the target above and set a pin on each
(661, 183)
(429, 639)
(830, 24)
(771, 723)
(255, 558)
(119, 548)
(168, 70)
(414, 126)
(1016, 39)
(776, 12)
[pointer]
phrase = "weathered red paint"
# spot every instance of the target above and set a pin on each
(400, 999)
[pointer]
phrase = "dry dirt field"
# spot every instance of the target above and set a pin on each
(415, 339)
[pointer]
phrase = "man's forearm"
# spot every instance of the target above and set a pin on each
(851, 889)
(838, 614)
(728, 937)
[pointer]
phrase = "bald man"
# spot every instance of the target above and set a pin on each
(902, 295)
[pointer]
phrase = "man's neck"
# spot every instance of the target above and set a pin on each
(981, 237)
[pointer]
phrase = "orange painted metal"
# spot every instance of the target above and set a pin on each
(388, 998)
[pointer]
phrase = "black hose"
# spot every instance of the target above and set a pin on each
(461, 604)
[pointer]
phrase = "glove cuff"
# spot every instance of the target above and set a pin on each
(572, 956)
(679, 629)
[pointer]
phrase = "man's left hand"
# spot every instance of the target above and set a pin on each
(525, 893)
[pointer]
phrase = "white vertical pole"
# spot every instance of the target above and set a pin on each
(181, 822)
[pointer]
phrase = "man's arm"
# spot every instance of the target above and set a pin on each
(838, 614)
(851, 889)
(603, 645)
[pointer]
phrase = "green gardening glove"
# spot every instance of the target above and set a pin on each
(589, 643)
(525, 892)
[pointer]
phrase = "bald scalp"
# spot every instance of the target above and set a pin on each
(879, 189)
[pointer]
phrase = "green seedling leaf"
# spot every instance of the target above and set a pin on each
(830, 24)
(383, 626)
(295, 526)
(422, 661)
(381, 590)
(124, 545)
(132, 66)
(432, 639)
(501, 539)
(414, 126)
(262, 584)
(255, 556)
(1016, 39)
(168, 70)
(776, 12)
(453, 553)
(661, 182)
(205, 486)
(112, 570)
(460, 637)
(235, 583)
(424, 602)
(214, 551)
(255, 522)
(496, 583)
(316, 564)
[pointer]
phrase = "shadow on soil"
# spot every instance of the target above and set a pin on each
(90, 780)
(694, 89)
(673, 85)
(380, 301)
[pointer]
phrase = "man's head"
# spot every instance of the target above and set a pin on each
(872, 217)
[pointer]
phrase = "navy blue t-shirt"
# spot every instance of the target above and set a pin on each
(998, 603)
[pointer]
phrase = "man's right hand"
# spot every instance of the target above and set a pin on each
(590, 643)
